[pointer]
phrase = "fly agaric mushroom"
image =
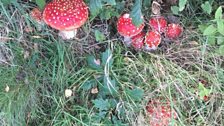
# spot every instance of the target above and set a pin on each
(127, 29)
(158, 23)
(160, 114)
(152, 40)
(173, 31)
(66, 16)
(138, 41)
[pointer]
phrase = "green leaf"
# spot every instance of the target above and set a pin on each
(99, 36)
(175, 10)
(135, 94)
(95, 6)
(88, 84)
(218, 13)
(221, 50)
(40, 4)
(108, 12)
(93, 63)
(202, 27)
(147, 3)
(220, 40)
(6, 2)
(101, 104)
(210, 30)
(211, 40)
(120, 6)
(110, 85)
(220, 25)
(97, 117)
(203, 91)
(107, 58)
(207, 7)
(182, 4)
(136, 13)
(110, 2)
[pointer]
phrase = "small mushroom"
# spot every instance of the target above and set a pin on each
(138, 41)
(158, 23)
(66, 16)
(173, 31)
(127, 29)
(152, 40)
(36, 15)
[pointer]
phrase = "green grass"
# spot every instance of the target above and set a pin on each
(38, 81)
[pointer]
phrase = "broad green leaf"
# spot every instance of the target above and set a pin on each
(202, 27)
(210, 30)
(136, 14)
(101, 104)
(41, 4)
(218, 13)
(95, 6)
(220, 40)
(203, 91)
(135, 94)
(6, 2)
(99, 36)
(108, 12)
(88, 84)
(107, 58)
(93, 63)
(120, 6)
(182, 4)
(147, 3)
(207, 7)
(211, 40)
(175, 10)
(109, 87)
(97, 117)
(110, 2)
(220, 25)
(221, 50)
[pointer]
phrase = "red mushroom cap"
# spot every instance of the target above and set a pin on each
(158, 23)
(138, 40)
(126, 28)
(152, 39)
(36, 14)
(65, 14)
(174, 31)
(160, 114)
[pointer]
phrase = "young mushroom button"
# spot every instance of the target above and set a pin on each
(126, 28)
(66, 16)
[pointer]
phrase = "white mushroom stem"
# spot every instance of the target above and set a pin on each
(127, 41)
(147, 48)
(68, 34)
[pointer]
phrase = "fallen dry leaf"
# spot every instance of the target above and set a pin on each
(26, 54)
(68, 93)
(7, 88)
(97, 61)
(94, 90)
(156, 8)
